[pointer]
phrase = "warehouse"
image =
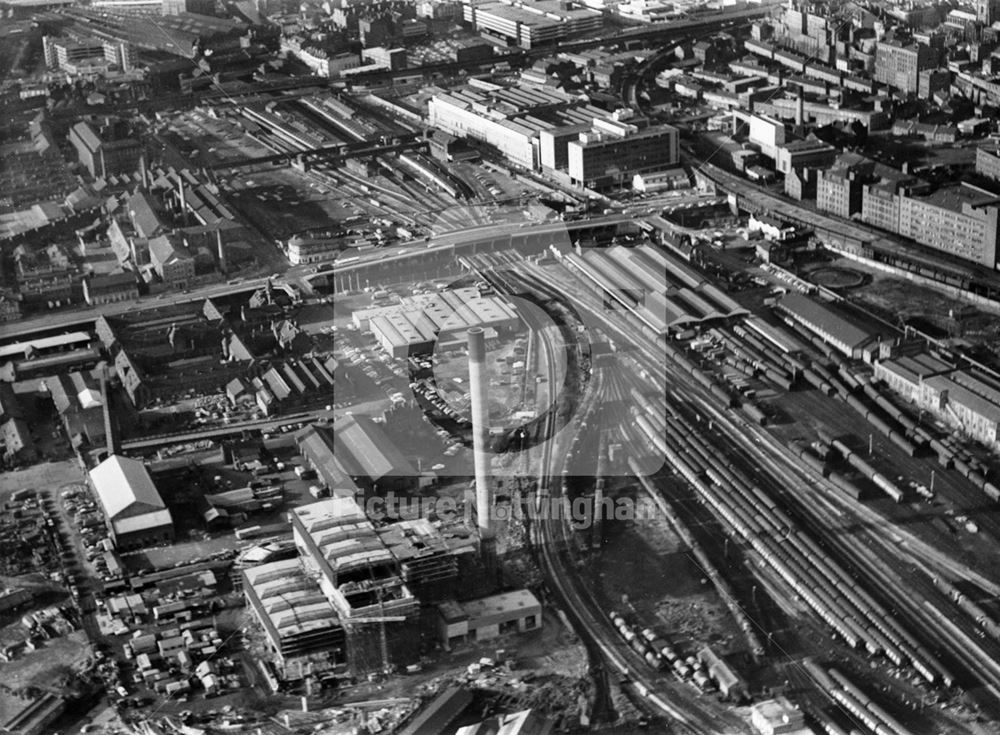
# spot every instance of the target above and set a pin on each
(965, 402)
(906, 373)
(133, 509)
(834, 329)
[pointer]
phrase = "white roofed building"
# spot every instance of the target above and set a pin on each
(133, 509)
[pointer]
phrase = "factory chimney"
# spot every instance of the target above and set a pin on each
(144, 172)
(800, 109)
(480, 426)
(183, 197)
(222, 252)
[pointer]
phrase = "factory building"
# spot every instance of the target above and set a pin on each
(530, 25)
(834, 329)
(296, 617)
(135, 513)
(511, 118)
(419, 324)
(340, 548)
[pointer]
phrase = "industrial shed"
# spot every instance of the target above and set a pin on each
(836, 330)
(316, 447)
(133, 509)
(371, 458)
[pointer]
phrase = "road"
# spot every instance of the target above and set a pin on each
(71, 318)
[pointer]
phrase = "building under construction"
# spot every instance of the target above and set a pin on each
(297, 619)
(351, 598)
(435, 562)
(340, 548)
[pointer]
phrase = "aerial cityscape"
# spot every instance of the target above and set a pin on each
(499, 367)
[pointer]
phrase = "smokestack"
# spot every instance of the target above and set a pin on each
(222, 252)
(183, 195)
(800, 109)
(480, 427)
(144, 172)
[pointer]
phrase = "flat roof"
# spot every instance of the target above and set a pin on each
(506, 603)
(955, 197)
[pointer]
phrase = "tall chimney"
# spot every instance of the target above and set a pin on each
(480, 427)
(222, 252)
(800, 109)
(183, 195)
(144, 172)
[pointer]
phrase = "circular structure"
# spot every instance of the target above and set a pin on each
(837, 277)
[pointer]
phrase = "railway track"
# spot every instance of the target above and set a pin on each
(551, 540)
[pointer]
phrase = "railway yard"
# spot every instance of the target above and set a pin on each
(781, 523)
(422, 403)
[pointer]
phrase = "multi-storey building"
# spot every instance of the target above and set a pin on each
(201, 7)
(104, 157)
(60, 51)
(880, 205)
(961, 220)
(614, 151)
(509, 118)
(899, 65)
(809, 152)
(839, 188)
(172, 260)
(531, 24)
(988, 162)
